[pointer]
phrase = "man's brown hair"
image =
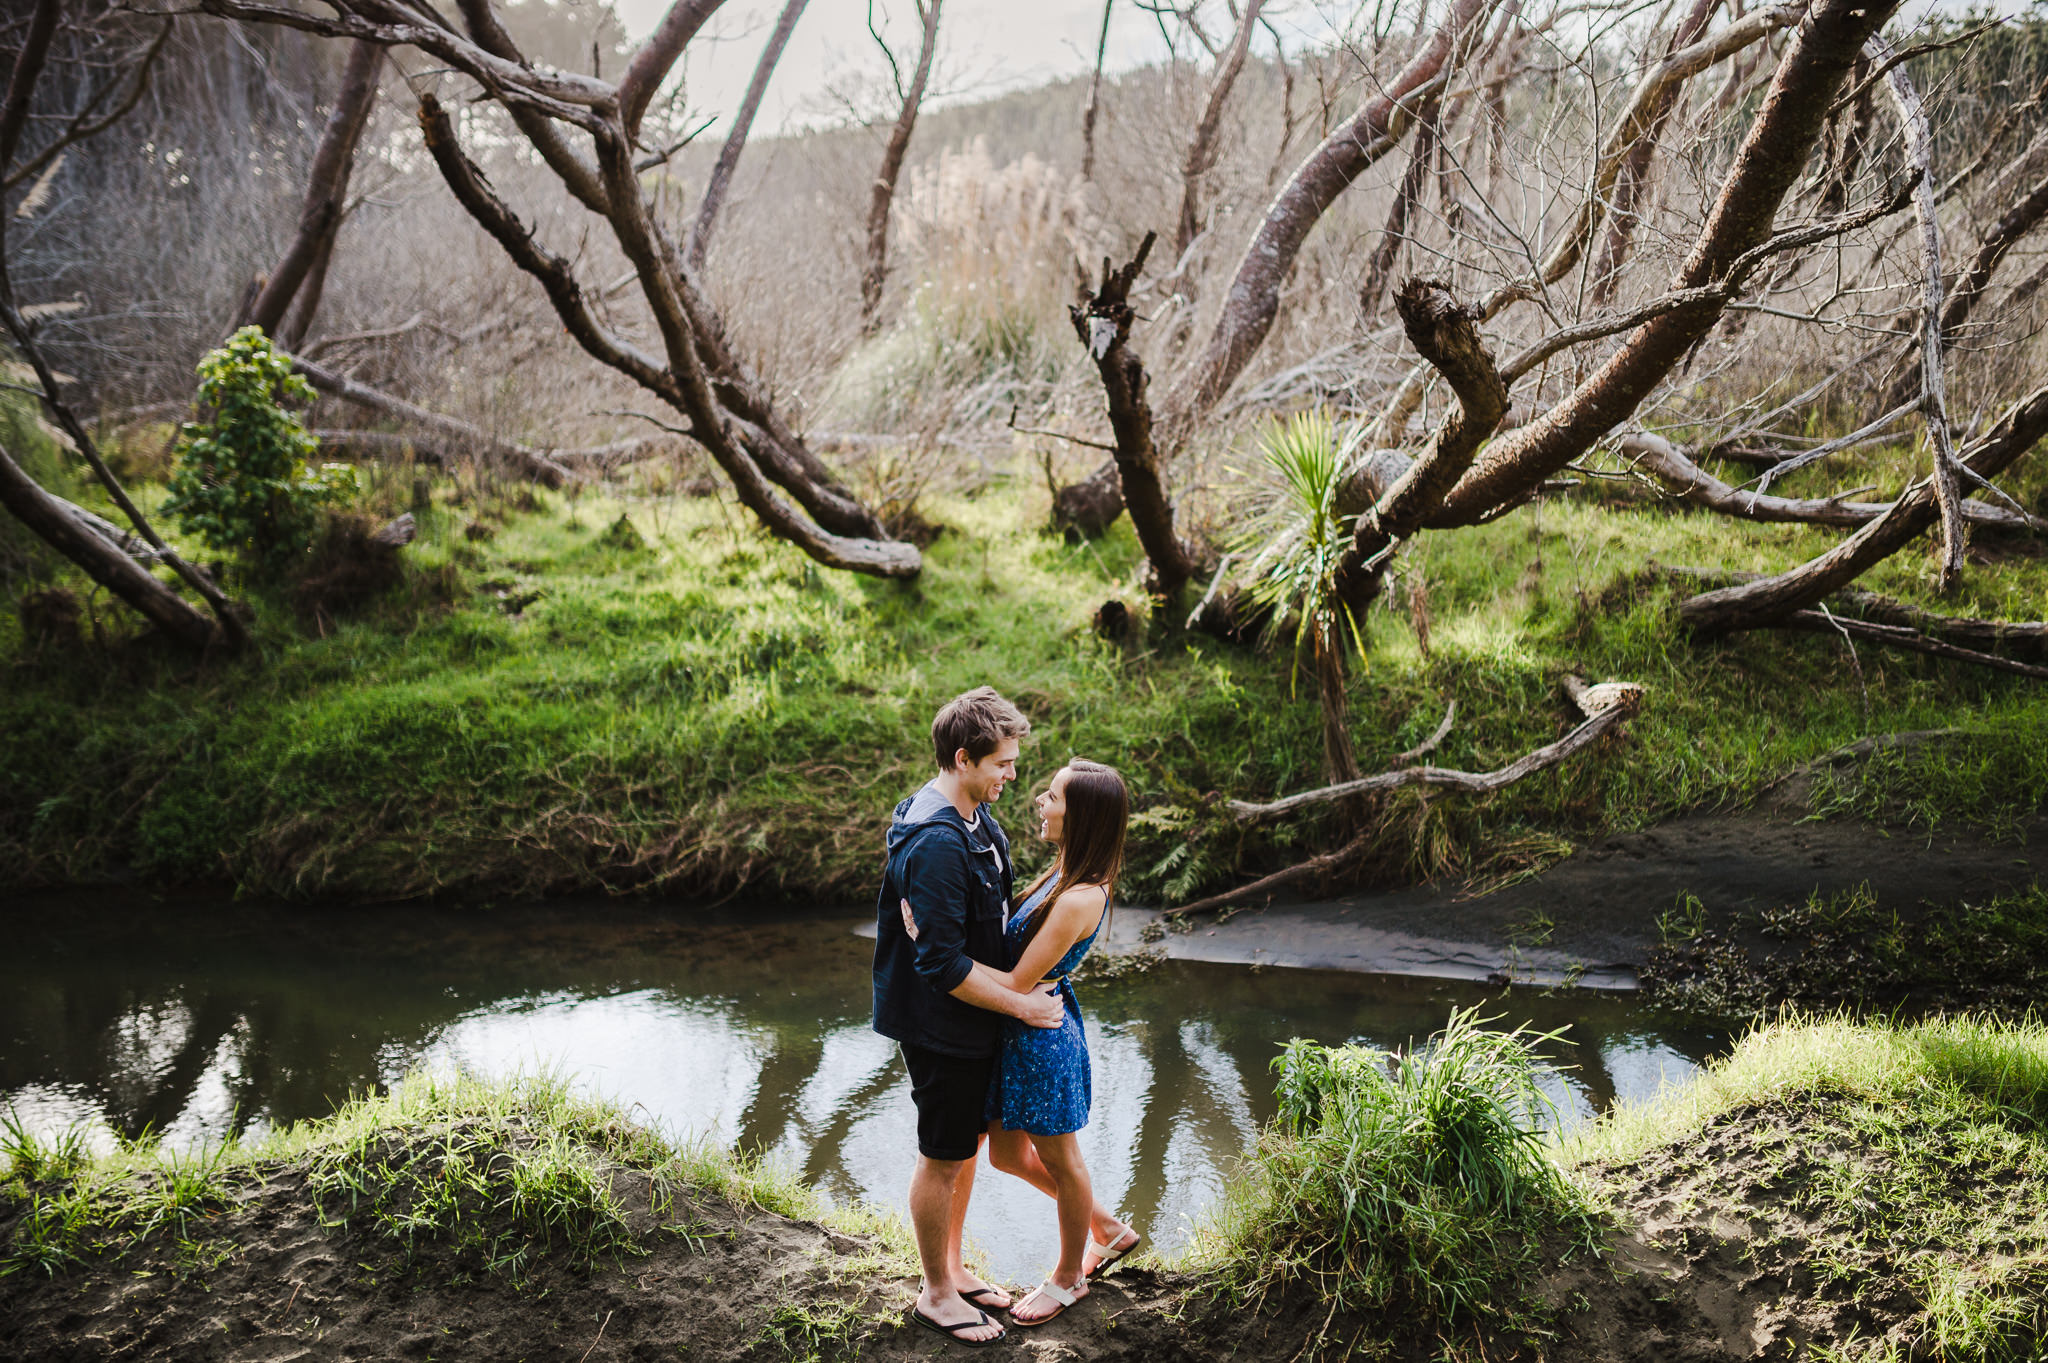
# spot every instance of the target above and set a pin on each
(978, 722)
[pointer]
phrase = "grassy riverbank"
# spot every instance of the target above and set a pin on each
(1853, 1190)
(640, 692)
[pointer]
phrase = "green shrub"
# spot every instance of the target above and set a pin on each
(1419, 1182)
(244, 483)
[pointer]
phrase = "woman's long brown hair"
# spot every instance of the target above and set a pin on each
(1092, 850)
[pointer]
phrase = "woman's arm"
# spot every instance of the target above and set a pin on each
(1070, 917)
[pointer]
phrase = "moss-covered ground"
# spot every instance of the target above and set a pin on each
(636, 689)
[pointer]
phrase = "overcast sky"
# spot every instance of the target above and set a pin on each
(985, 46)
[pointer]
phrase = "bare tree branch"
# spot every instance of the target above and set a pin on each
(1669, 465)
(736, 140)
(883, 195)
(326, 188)
(1751, 605)
(1933, 381)
(651, 64)
(1202, 145)
(1578, 740)
(1769, 163)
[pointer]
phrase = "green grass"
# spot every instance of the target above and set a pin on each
(1415, 1187)
(705, 709)
(1912, 1154)
(460, 1177)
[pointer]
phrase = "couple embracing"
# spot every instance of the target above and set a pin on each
(971, 980)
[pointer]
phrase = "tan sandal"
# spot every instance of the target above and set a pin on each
(1105, 1256)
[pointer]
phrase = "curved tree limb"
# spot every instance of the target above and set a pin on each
(53, 521)
(1202, 145)
(724, 434)
(1663, 460)
(326, 188)
(648, 67)
(1623, 707)
(1447, 336)
(1253, 300)
(883, 193)
(1632, 177)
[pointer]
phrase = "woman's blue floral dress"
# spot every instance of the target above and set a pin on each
(1042, 1084)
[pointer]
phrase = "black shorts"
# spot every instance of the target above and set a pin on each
(951, 1093)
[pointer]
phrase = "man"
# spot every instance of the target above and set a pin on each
(934, 994)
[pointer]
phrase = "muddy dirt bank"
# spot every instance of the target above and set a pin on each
(1718, 1252)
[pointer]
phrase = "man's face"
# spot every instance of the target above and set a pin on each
(983, 781)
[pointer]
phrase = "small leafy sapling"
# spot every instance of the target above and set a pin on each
(245, 481)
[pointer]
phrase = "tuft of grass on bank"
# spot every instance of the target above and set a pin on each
(641, 692)
(1417, 1187)
(459, 1178)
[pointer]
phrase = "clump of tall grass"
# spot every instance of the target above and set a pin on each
(1420, 1181)
(983, 327)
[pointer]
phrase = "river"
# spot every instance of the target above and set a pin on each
(193, 1020)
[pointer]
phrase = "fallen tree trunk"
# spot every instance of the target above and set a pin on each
(443, 454)
(84, 544)
(1621, 703)
(456, 433)
(1901, 636)
(1668, 464)
(1760, 603)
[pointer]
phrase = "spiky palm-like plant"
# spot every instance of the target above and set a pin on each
(1294, 545)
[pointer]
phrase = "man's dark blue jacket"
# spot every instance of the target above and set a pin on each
(958, 883)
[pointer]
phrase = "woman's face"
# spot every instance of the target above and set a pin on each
(1052, 809)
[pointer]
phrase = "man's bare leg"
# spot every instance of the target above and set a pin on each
(956, 1245)
(932, 1196)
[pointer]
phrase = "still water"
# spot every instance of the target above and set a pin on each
(197, 1020)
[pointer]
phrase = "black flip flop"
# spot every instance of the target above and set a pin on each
(952, 1332)
(978, 1293)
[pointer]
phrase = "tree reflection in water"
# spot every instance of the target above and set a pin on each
(195, 1020)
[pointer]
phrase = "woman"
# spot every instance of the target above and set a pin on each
(1040, 1097)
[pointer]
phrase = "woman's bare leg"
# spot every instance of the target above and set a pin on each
(1015, 1153)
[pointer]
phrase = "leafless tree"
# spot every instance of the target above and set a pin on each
(736, 139)
(78, 536)
(587, 131)
(882, 197)
(1094, 105)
